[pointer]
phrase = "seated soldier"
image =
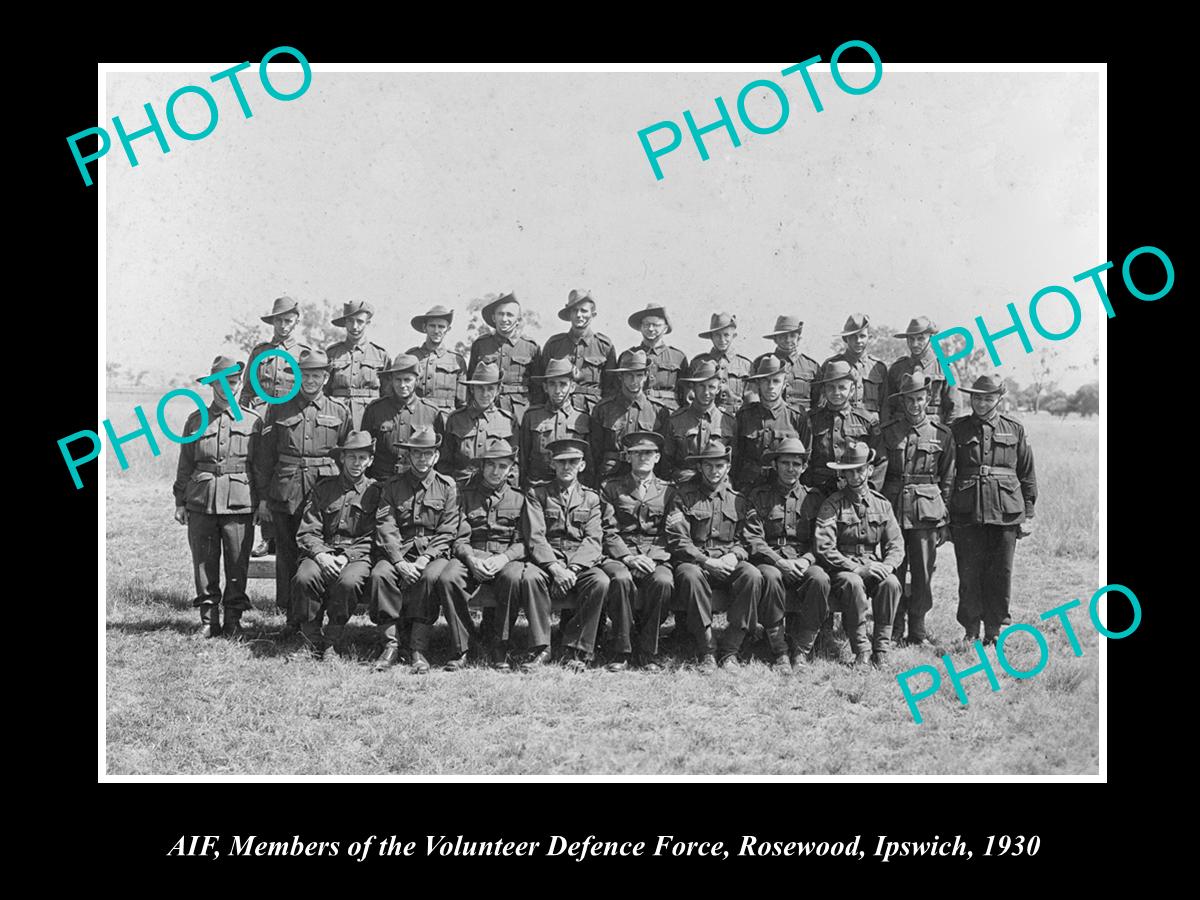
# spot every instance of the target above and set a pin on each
(336, 529)
(639, 566)
(564, 532)
(708, 528)
(792, 583)
(858, 542)
(415, 524)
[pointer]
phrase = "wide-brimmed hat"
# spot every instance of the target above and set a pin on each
(911, 382)
(497, 448)
(353, 308)
(788, 446)
(642, 440)
(855, 457)
(490, 308)
(702, 370)
(985, 384)
(834, 370)
(280, 306)
(766, 367)
(854, 324)
(485, 373)
(437, 312)
(785, 325)
(714, 449)
(631, 361)
(573, 300)
(402, 362)
(423, 438)
(356, 440)
(313, 359)
(718, 321)
(652, 309)
(919, 325)
(558, 367)
(568, 448)
(220, 364)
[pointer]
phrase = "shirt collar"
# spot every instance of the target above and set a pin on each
(420, 482)
(349, 485)
(436, 351)
(583, 336)
(650, 348)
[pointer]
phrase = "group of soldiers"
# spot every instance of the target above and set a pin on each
(617, 488)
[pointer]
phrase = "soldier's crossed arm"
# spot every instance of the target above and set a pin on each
(825, 540)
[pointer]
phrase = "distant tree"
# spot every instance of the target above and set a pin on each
(881, 345)
(531, 323)
(315, 328)
(1086, 400)
(1059, 406)
(1044, 372)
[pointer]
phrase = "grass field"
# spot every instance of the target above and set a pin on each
(179, 705)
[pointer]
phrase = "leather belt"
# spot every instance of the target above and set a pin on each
(913, 479)
(222, 468)
(989, 470)
(356, 392)
(306, 461)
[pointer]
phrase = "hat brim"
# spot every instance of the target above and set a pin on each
(370, 448)
(418, 322)
(635, 321)
(908, 334)
(340, 321)
(771, 454)
(499, 380)
(1002, 390)
(271, 318)
(643, 447)
(698, 380)
(421, 446)
(632, 369)
(849, 376)
(842, 465)
(239, 373)
(708, 334)
(753, 377)
(570, 375)
(772, 334)
(725, 455)
(565, 312)
(855, 331)
(923, 387)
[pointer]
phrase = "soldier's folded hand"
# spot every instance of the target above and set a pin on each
(493, 564)
(181, 515)
(718, 566)
(791, 571)
(879, 570)
(408, 572)
(263, 515)
(639, 564)
(564, 578)
(328, 564)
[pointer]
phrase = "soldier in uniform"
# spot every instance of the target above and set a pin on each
(515, 356)
(664, 363)
(837, 424)
(792, 582)
(298, 438)
(416, 523)
(943, 397)
(334, 540)
(355, 363)
(802, 369)
(468, 430)
(689, 430)
(563, 526)
(638, 564)
(589, 351)
(920, 477)
(870, 372)
(215, 498)
(553, 420)
(732, 368)
(995, 490)
(632, 409)
(392, 419)
(858, 543)
(764, 423)
(439, 371)
(490, 549)
(709, 528)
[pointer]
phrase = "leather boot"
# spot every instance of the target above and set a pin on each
(418, 643)
(499, 655)
(778, 646)
(333, 642)
(862, 659)
(210, 621)
(310, 642)
(391, 647)
(233, 625)
(802, 649)
(420, 665)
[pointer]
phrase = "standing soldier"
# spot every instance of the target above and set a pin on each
(215, 499)
(690, 429)
(920, 477)
(392, 419)
(551, 421)
(665, 363)
(870, 372)
(334, 541)
(469, 430)
(440, 371)
(589, 351)
(355, 363)
(858, 543)
(995, 489)
(629, 411)
(836, 425)
(298, 438)
(638, 565)
(416, 523)
(732, 368)
(762, 424)
(709, 527)
(943, 397)
(515, 356)
(802, 369)
(564, 532)
(792, 582)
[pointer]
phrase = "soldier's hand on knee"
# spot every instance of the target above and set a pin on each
(408, 572)
(329, 568)
(879, 570)
(263, 515)
(421, 563)
(493, 564)
(639, 564)
(181, 515)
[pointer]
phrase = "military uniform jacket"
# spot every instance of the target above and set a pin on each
(297, 439)
(801, 370)
(567, 530)
(732, 369)
(593, 355)
(491, 521)
(633, 518)
(943, 398)
(994, 481)
(517, 358)
(539, 426)
(354, 370)
(664, 365)
(788, 517)
(854, 530)
(705, 522)
(339, 517)
(832, 431)
(439, 377)
(391, 422)
(467, 433)
(214, 472)
(760, 428)
(686, 432)
(870, 382)
(275, 376)
(920, 472)
(416, 517)
(616, 417)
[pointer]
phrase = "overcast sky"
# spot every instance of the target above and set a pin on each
(948, 195)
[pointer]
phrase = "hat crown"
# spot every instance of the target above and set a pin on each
(560, 367)
(222, 362)
(486, 372)
(788, 446)
(856, 454)
(788, 323)
(354, 307)
(720, 320)
(768, 365)
(313, 359)
(403, 362)
(642, 440)
(911, 382)
(703, 370)
(498, 448)
(920, 325)
(855, 323)
(714, 449)
(837, 369)
(578, 296)
(986, 384)
(632, 359)
(567, 448)
(423, 438)
(280, 306)
(357, 440)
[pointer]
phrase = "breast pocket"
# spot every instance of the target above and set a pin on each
(594, 361)
(239, 490)
(431, 511)
(774, 523)
(327, 432)
(701, 524)
(198, 487)
(928, 506)
(239, 438)
(518, 363)
(1012, 503)
(1004, 450)
(339, 373)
